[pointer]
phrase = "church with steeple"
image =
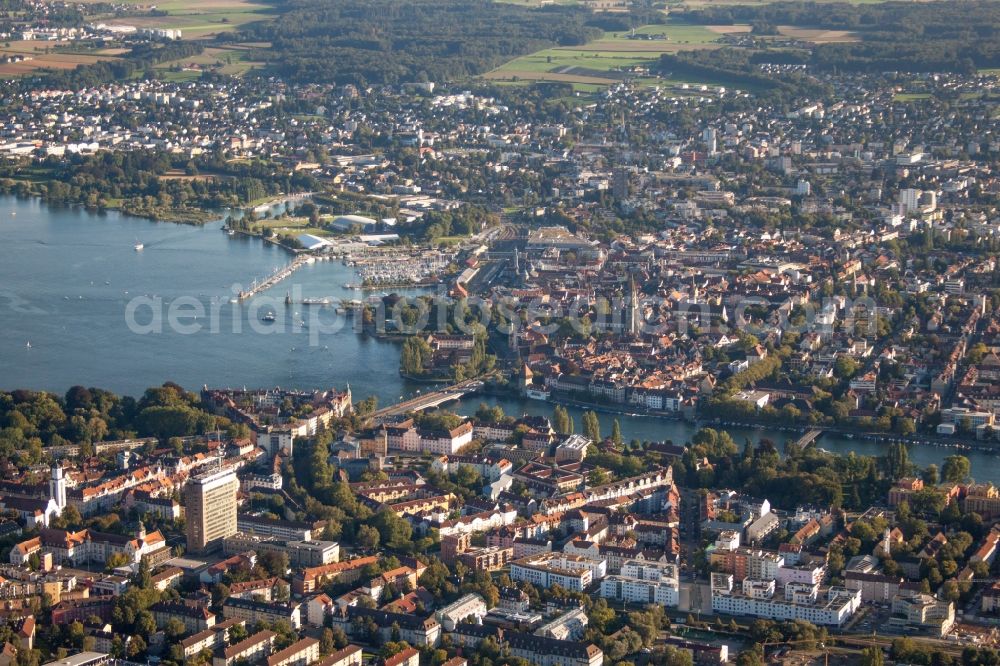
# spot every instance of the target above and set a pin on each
(633, 310)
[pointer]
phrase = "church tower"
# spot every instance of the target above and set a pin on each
(525, 377)
(633, 312)
(57, 485)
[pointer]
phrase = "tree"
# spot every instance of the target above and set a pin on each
(319, 462)
(597, 477)
(220, 592)
(174, 628)
(468, 476)
(845, 367)
(616, 433)
(750, 657)
(955, 468)
(673, 656)
(601, 616)
(340, 640)
(561, 422)
(143, 576)
(326, 643)
(488, 414)
(415, 356)
(872, 656)
(897, 460)
(367, 537)
(275, 563)
(136, 646)
(395, 532)
(928, 502)
(116, 560)
(930, 475)
(592, 426)
(71, 516)
(905, 426)
(366, 407)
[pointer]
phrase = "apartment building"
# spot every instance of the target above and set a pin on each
(411, 628)
(352, 655)
(408, 657)
(252, 649)
(643, 582)
(210, 509)
(799, 601)
(874, 587)
(572, 572)
(543, 651)
(195, 617)
(253, 612)
(299, 653)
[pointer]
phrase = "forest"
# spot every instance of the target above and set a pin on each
(894, 36)
(381, 42)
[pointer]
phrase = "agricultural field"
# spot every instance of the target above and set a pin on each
(599, 63)
(817, 36)
(46, 55)
(232, 60)
(197, 19)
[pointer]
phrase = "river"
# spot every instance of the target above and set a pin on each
(68, 276)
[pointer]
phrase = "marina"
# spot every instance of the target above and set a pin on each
(394, 267)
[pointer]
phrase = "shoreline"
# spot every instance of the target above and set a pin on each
(195, 217)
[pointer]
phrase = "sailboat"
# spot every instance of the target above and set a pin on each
(138, 245)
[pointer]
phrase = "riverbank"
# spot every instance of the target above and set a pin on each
(887, 438)
(707, 420)
(678, 431)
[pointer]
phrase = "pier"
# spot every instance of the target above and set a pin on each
(274, 278)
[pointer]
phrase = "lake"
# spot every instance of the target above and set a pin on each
(69, 279)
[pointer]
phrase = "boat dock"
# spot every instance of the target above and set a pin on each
(274, 278)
